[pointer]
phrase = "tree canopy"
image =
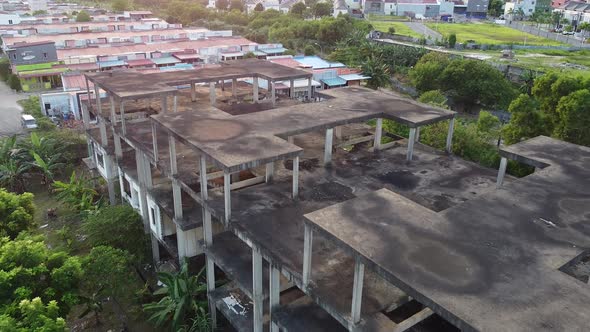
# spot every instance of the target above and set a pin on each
(83, 16)
(16, 213)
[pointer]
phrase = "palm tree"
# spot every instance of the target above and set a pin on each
(45, 147)
(48, 167)
(12, 165)
(181, 292)
(378, 71)
(78, 193)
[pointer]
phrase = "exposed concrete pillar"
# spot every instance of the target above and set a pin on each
(411, 141)
(234, 88)
(203, 178)
(501, 172)
(357, 291)
(175, 103)
(223, 85)
(207, 237)
(328, 146)
(118, 149)
(257, 294)
(210, 270)
(142, 175)
(338, 132)
(109, 166)
(112, 192)
(193, 92)
(103, 132)
(291, 139)
(270, 170)
(188, 245)
(255, 89)
(227, 196)
(123, 125)
(307, 249)
(378, 134)
(155, 250)
(212, 94)
(85, 116)
(295, 177)
(273, 94)
(113, 110)
(97, 96)
(292, 88)
(274, 294)
(450, 135)
(155, 141)
(309, 93)
(417, 134)
(165, 104)
(89, 103)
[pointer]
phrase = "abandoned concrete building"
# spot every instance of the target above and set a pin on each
(321, 222)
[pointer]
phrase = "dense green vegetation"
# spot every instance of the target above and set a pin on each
(488, 33)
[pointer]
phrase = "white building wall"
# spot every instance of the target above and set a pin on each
(6, 19)
(527, 6)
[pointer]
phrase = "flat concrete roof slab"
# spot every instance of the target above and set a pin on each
(129, 84)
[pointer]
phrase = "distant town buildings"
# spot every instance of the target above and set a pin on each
(527, 7)
(576, 12)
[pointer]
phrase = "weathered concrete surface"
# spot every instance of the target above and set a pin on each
(129, 84)
(492, 262)
(246, 141)
(305, 315)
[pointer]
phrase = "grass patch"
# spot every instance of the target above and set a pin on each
(400, 28)
(488, 33)
(375, 17)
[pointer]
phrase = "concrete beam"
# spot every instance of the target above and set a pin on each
(274, 295)
(411, 141)
(270, 170)
(357, 291)
(328, 146)
(378, 134)
(193, 92)
(257, 295)
(212, 94)
(255, 89)
(501, 172)
(295, 177)
(227, 196)
(450, 135)
(307, 249)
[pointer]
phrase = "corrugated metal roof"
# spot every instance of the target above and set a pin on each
(113, 63)
(140, 62)
(317, 63)
(167, 60)
(354, 77)
(273, 50)
(334, 81)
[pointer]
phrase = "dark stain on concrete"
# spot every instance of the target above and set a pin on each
(402, 179)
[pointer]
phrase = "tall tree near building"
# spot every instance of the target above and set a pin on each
(259, 7)
(378, 71)
(298, 9)
(427, 73)
(526, 120)
(574, 116)
(321, 9)
(495, 8)
(83, 16)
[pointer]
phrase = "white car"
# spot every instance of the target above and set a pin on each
(28, 121)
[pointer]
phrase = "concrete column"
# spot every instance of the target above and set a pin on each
(165, 104)
(85, 116)
(307, 249)
(309, 93)
(291, 139)
(411, 141)
(257, 295)
(274, 294)
(210, 270)
(113, 110)
(292, 88)
(112, 192)
(118, 149)
(108, 166)
(227, 196)
(273, 93)
(417, 134)
(155, 250)
(357, 291)
(176, 191)
(203, 178)
(338, 132)
(270, 170)
(212, 94)
(123, 125)
(180, 244)
(103, 132)
(223, 85)
(234, 87)
(255, 89)
(193, 92)
(97, 96)
(175, 103)
(155, 141)
(142, 175)
(450, 135)
(501, 172)
(328, 146)
(378, 134)
(188, 245)
(89, 103)
(295, 177)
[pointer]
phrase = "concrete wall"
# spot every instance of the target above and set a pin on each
(24, 55)
(9, 19)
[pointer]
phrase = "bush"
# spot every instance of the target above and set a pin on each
(16, 213)
(108, 270)
(14, 83)
(452, 40)
(119, 227)
(391, 30)
(309, 50)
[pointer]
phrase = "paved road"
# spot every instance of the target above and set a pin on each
(423, 30)
(10, 111)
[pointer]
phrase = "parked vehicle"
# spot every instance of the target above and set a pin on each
(568, 33)
(28, 121)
